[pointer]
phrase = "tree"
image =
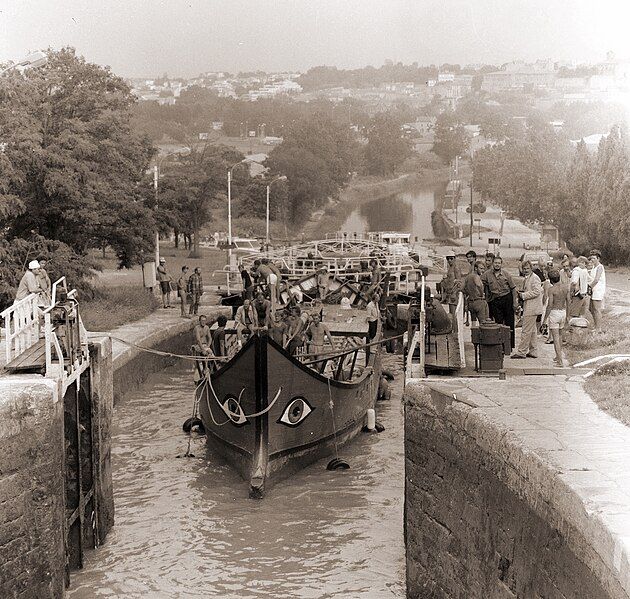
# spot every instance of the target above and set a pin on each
(318, 155)
(451, 138)
(197, 182)
(386, 148)
(72, 158)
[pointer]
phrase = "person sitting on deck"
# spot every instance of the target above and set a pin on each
(246, 320)
(203, 337)
(218, 338)
(317, 333)
(30, 283)
(438, 321)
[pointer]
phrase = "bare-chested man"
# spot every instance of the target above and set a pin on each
(317, 333)
(557, 310)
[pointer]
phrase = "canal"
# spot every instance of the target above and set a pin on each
(185, 527)
(407, 212)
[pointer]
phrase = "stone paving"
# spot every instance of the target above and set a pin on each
(574, 456)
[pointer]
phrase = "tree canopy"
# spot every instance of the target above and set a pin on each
(71, 163)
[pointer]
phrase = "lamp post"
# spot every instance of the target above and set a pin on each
(229, 189)
(278, 178)
(156, 177)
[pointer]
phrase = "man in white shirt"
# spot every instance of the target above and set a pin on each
(579, 287)
(30, 283)
(598, 286)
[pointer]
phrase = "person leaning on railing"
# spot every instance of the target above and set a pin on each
(31, 283)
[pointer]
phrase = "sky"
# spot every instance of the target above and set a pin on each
(140, 38)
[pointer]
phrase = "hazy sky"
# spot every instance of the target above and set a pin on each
(186, 37)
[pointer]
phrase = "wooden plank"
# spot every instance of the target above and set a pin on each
(33, 359)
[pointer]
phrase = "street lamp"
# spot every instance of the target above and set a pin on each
(276, 179)
(156, 176)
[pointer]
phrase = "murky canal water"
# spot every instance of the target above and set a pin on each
(185, 527)
(408, 212)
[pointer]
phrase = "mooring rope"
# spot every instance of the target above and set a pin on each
(171, 354)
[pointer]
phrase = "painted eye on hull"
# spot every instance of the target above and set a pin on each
(297, 410)
(233, 410)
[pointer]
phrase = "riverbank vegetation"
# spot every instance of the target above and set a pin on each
(111, 307)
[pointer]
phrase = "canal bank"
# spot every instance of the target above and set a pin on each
(515, 488)
(56, 496)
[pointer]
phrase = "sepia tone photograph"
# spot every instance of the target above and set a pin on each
(314, 299)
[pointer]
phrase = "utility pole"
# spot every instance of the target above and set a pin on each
(471, 211)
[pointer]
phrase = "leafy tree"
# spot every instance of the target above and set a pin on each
(71, 163)
(386, 148)
(196, 184)
(451, 138)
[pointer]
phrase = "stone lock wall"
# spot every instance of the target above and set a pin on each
(31, 483)
(477, 523)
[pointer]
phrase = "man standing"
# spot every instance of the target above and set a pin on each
(165, 283)
(489, 259)
(531, 294)
(501, 294)
(30, 283)
(181, 290)
(474, 292)
(44, 282)
(598, 286)
(195, 290)
(579, 288)
(556, 314)
(318, 332)
(248, 285)
(471, 257)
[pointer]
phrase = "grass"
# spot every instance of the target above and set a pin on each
(115, 306)
(610, 389)
(612, 339)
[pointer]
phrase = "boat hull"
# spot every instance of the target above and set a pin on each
(269, 415)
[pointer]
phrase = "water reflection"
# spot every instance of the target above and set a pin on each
(185, 528)
(407, 212)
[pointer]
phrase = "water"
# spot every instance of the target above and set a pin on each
(185, 527)
(407, 212)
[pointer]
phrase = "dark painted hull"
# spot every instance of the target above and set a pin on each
(286, 421)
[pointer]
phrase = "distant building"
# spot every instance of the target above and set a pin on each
(519, 75)
(446, 77)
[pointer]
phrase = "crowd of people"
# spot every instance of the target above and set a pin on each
(546, 301)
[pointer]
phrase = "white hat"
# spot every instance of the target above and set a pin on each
(345, 303)
(162, 260)
(33, 264)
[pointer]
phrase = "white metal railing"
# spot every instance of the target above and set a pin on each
(415, 339)
(65, 366)
(21, 326)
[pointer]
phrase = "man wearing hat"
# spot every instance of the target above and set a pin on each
(165, 283)
(30, 282)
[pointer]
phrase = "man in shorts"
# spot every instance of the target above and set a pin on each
(557, 309)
